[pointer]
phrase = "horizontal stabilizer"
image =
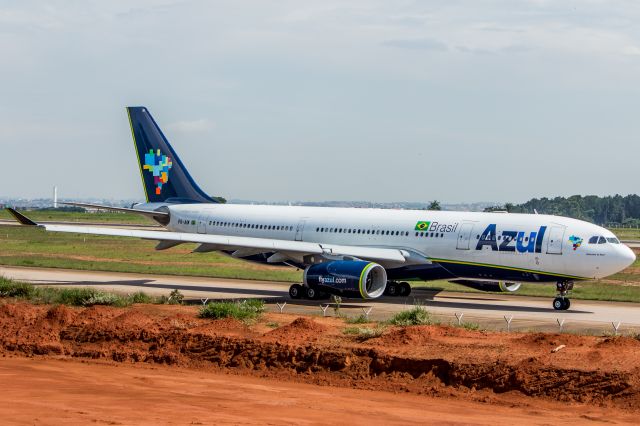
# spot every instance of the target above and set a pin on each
(148, 213)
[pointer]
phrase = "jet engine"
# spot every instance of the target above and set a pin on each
(349, 278)
(508, 287)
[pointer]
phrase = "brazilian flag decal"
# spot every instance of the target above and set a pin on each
(422, 225)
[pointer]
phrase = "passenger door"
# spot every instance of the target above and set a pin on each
(464, 236)
(300, 230)
(556, 238)
(202, 225)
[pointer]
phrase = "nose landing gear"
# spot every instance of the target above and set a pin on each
(562, 302)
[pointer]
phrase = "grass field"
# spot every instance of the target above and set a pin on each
(627, 233)
(27, 246)
(24, 246)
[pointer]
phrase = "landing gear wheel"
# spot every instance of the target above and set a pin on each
(311, 293)
(558, 304)
(404, 289)
(561, 303)
(295, 291)
(392, 289)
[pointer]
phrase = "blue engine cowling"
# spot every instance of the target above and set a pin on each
(349, 278)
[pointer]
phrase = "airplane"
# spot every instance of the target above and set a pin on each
(357, 252)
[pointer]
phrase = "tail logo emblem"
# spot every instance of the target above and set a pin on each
(158, 164)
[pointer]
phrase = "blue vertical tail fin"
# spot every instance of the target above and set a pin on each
(164, 177)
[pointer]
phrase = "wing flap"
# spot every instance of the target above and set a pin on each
(369, 253)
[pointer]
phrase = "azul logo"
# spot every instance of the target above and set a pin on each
(435, 226)
(575, 241)
(519, 241)
(158, 164)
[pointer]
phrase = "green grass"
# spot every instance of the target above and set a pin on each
(414, 316)
(360, 319)
(243, 311)
(29, 246)
(626, 233)
(471, 326)
(364, 333)
(67, 296)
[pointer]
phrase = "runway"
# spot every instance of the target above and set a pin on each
(489, 310)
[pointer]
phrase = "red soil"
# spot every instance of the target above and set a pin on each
(513, 369)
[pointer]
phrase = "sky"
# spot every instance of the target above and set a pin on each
(459, 101)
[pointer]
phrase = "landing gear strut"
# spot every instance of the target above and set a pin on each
(562, 302)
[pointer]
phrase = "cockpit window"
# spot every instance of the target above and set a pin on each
(602, 240)
(613, 240)
(593, 240)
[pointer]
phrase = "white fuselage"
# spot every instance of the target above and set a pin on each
(522, 247)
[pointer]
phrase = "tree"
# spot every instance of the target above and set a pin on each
(434, 205)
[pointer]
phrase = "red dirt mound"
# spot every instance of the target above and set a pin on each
(405, 336)
(301, 328)
(61, 315)
(549, 340)
(620, 342)
(220, 327)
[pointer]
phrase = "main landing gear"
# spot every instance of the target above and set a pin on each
(562, 302)
(397, 289)
(298, 291)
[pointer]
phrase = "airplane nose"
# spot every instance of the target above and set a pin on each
(629, 257)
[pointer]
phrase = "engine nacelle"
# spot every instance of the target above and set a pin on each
(495, 286)
(349, 278)
(508, 287)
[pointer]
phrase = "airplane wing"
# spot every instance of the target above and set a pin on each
(283, 248)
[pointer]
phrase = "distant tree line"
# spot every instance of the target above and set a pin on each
(609, 210)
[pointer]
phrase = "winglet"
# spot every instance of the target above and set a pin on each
(21, 218)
